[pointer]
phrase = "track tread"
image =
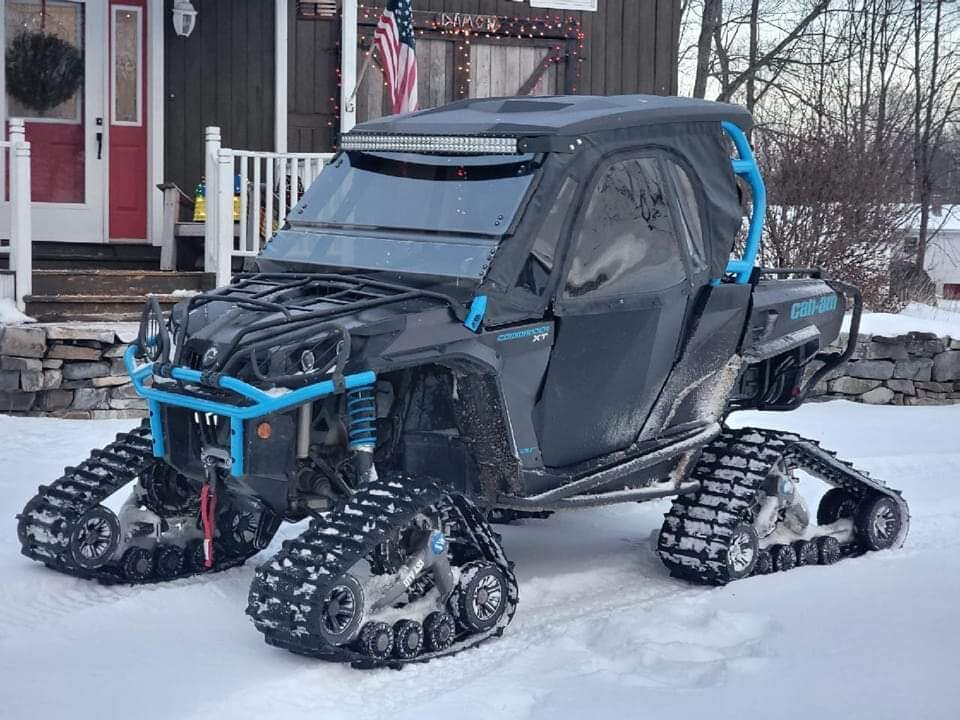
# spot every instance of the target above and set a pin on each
(46, 522)
(730, 471)
(287, 587)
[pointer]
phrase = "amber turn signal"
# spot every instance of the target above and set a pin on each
(264, 431)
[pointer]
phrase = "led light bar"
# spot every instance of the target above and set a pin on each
(455, 144)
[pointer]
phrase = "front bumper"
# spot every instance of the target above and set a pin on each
(246, 402)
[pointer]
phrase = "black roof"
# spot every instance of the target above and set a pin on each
(556, 115)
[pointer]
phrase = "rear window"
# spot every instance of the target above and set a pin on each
(435, 194)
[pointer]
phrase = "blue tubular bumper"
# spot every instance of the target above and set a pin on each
(261, 402)
(746, 167)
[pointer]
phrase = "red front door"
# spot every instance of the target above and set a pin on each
(68, 153)
(127, 197)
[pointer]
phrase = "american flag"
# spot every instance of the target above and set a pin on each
(397, 48)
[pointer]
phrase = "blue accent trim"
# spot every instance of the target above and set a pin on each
(236, 447)
(715, 282)
(477, 310)
(262, 402)
(746, 167)
(156, 429)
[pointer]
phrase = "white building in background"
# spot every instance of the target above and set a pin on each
(942, 261)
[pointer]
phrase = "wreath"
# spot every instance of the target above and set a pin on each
(43, 70)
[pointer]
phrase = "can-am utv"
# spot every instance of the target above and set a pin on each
(518, 305)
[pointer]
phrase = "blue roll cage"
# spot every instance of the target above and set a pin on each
(745, 166)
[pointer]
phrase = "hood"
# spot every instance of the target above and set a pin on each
(291, 329)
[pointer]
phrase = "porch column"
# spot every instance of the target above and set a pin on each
(21, 243)
(280, 76)
(348, 65)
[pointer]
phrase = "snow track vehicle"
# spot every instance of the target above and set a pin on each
(497, 307)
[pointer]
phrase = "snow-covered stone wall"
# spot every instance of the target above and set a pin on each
(75, 370)
(915, 368)
(69, 370)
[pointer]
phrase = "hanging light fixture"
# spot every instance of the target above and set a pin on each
(184, 17)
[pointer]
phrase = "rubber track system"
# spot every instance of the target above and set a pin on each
(287, 591)
(46, 522)
(731, 469)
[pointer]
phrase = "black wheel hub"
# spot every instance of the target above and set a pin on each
(95, 537)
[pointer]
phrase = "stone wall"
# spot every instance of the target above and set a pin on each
(70, 370)
(75, 370)
(912, 369)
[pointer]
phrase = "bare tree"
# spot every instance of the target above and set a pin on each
(715, 58)
(936, 81)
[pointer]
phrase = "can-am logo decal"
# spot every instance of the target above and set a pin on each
(813, 306)
(539, 334)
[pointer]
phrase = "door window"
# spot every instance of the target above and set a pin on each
(626, 242)
(126, 74)
(56, 133)
(540, 263)
(689, 225)
(61, 20)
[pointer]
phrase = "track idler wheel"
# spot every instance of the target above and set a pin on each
(742, 552)
(137, 564)
(878, 522)
(439, 631)
(784, 557)
(341, 612)
(764, 564)
(836, 504)
(95, 537)
(828, 549)
(170, 561)
(241, 532)
(376, 640)
(407, 639)
(807, 553)
(481, 598)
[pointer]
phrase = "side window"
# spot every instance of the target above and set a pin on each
(536, 271)
(626, 243)
(689, 225)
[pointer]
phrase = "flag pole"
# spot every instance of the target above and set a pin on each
(351, 107)
(348, 61)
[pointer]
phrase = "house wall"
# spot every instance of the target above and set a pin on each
(942, 261)
(630, 46)
(223, 75)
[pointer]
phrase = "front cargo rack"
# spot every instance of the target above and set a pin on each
(301, 308)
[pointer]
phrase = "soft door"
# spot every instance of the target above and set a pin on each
(620, 312)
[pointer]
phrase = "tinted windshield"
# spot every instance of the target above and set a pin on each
(435, 194)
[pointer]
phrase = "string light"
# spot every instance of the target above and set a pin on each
(493, 28)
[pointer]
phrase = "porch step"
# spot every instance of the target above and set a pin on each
(119, 256)
(47, 308)
(134, 283)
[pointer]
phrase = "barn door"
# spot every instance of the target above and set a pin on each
(501, 69)
(434, 80)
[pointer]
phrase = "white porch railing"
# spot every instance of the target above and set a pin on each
(270, 185)
(15, 154)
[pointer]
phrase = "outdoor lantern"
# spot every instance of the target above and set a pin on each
(184, 17)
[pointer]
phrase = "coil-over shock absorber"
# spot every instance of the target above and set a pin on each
(362, 418)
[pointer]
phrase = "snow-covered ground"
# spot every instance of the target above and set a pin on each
(602, 630)
(942, 320)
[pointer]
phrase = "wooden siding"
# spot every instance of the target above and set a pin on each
(630, 46)
(223, 74)
(313, 95)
